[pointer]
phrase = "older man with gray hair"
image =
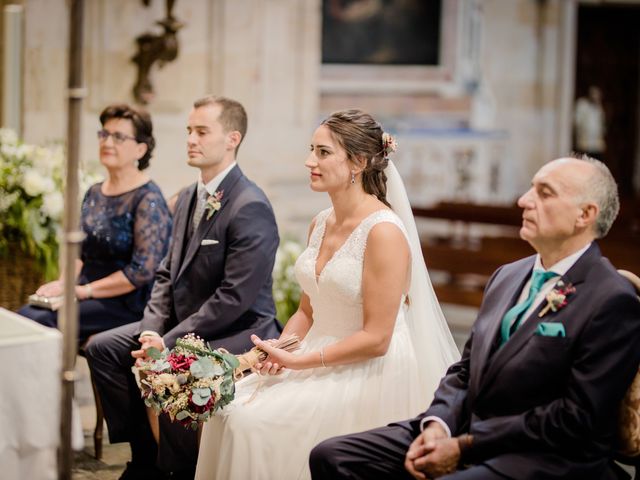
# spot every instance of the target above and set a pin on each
(550, 356)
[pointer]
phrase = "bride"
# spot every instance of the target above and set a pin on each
(375, 342)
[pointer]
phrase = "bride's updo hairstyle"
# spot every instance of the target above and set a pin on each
(362, 139)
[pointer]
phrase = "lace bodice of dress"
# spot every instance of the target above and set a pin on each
(128, 232)
(336, 294)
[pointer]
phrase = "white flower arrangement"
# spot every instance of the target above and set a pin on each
(31, 200)
(286, 290)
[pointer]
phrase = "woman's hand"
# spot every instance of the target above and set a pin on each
(50, 289)
(276, 360)
(268, 367)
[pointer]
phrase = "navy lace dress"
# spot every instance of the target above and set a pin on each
(127, 232)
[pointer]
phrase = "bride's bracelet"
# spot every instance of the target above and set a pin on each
(322, 357)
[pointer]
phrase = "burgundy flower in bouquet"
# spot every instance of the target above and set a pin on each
(191, 381)
(181, 362)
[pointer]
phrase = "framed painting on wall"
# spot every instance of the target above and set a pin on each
(395, 46)
(381, 32)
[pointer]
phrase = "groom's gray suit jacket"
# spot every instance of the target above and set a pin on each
(221, 288)
(543, 407)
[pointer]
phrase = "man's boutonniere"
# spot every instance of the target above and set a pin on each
(213, 203)
(557, 298)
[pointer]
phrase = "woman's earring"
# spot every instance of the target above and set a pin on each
(353, 178)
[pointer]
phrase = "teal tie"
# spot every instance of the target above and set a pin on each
(512, 318)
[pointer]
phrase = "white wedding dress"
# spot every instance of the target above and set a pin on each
(271, 435)
(268, 431)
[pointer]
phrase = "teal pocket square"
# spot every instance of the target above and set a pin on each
(550, 329)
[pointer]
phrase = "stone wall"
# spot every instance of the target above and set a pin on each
(267, 55)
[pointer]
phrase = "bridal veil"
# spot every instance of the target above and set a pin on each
(434, 346)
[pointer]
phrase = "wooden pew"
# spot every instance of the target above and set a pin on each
(464, 261)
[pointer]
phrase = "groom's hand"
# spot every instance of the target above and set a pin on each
(422, 446)
(147, 341)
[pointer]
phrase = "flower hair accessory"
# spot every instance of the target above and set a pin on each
(213, 203)
(389, 144)
(557, 298)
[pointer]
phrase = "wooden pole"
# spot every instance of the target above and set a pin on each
(73, 236)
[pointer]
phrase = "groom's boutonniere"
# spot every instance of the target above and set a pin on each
(213, 203)
(557, 298)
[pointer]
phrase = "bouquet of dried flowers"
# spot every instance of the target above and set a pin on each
(191, 381)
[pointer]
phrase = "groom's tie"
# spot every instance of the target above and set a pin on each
(512, 318)
(201, 202)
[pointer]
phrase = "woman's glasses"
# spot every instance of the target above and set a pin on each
(118, 137)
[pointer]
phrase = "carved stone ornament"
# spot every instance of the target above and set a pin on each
(162, 48)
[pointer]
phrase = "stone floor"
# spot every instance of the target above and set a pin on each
(114, 457)
(109, 468)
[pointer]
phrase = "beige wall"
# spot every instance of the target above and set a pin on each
(521, 63)
(267, 55)
(264, 54)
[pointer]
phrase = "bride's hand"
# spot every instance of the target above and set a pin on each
(277, 358)
(268, 367)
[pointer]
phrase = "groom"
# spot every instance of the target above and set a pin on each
(550, 356)
(215, 282)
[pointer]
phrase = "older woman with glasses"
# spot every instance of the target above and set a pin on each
(127, 226)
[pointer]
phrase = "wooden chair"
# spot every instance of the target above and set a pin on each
(99, 427)
(629, 420)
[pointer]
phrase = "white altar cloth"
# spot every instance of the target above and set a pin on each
(30, 361)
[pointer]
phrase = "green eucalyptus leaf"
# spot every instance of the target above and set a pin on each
(231, 360)
(200, 396)
(160, 365)
(154, 353)
(181, 415)
(227, 388)
(206, 367)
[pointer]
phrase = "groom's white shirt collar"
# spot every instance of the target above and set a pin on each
(215, 182)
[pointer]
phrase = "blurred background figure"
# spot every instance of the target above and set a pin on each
(127, 226)
(590, 124)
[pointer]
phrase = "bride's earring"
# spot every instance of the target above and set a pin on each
(353, 178)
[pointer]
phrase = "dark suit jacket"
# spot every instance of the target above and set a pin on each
(545, 407)
(221, 291)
